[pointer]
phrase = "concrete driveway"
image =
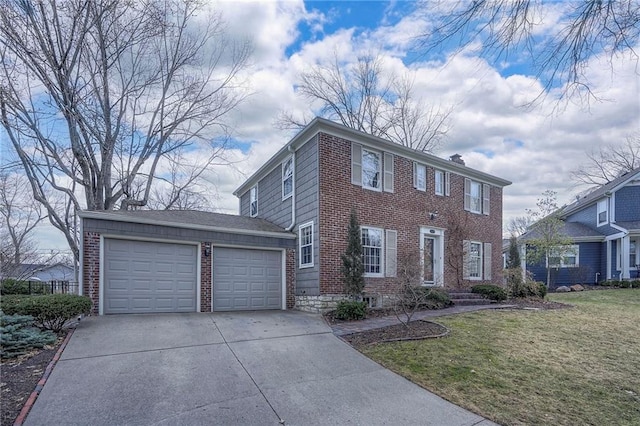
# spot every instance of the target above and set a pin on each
(250, 368)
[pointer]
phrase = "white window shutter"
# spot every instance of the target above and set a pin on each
(447, 183)
(486, 198)
(415, 174)
(387, 183)
(487, 261)
(391, 261)
(356, 164)
(466, 247)
(467, 194)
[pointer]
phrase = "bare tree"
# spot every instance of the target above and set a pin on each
(518, 225)
(609, 162)
(94, 94)
(20, 215)
(546, 241)
(585, 28)
(457, 233)
(365, 97)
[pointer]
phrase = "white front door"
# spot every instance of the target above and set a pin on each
(432, 256)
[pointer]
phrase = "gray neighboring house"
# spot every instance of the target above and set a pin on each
(43, 272)
(166, 261)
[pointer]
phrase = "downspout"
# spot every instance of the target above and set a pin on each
(80, 271)
(293, 189)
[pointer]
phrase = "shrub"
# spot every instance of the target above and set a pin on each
(490, 291)
(351, 310)
(10, 304)
(518, 287)
(436, 298)
(18, 335)
(11, 286)
(51, 311)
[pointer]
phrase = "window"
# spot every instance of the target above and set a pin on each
(287, 178)
(305, 239)
(602, 212)
(477, 197)
(253, 206)
(439, 182)
(633, 254)
(372, 251)
(371, 169)
(565, 257)
(420, 176)
(475, 260)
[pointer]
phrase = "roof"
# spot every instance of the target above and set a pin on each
(193, 219)
(601, 191)
(630, 226)
(573, 230)
(321, 125)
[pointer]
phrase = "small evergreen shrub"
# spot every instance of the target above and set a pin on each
(542, 289)
(436, 298)
(517, 287)
(51, 311)
(10, 304)
(490, 291)
(18, 335)
(351, 310)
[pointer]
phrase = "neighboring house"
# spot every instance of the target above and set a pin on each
(604, 226)
(406, 201)
(284, 249)
(43, 272)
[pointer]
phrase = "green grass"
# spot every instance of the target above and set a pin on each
(578, 366)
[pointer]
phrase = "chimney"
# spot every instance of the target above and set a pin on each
(457, 158)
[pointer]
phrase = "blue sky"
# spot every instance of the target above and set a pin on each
(536, 148)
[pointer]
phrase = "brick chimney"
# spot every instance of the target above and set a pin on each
(457, 158)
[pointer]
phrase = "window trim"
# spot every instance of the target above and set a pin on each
(253, 198)
(301, 246)
(379, 171)
(382, 251)
(602, 207)
(284, 179)
(480, 260)
(416, 182)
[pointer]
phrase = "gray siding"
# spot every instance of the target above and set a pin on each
(307, 208)
(270, 204)
(181, 234)
(244, 204)
(588, 217)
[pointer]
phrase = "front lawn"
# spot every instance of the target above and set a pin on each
(520, 367)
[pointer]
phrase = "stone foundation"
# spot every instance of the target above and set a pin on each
(318, 304)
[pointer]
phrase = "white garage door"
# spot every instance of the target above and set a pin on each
(246, 279)
(143, 276)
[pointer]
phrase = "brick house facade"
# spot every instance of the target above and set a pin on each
(399, 215)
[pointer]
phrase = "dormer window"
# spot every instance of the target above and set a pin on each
(603, 212)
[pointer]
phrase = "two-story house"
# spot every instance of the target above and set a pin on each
(604, 227)
(285, 247)
(407, 202)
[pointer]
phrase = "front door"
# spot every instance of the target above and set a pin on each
(432, 251)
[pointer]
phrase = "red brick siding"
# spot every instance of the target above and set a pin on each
(291, 278)
(91, 269)
(205, 277)
(405, 211)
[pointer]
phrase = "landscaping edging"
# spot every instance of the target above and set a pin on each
(34, 395)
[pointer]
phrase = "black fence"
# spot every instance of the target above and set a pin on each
(38, 287)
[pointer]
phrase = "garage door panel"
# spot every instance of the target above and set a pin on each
(143, 276)
(246, 279)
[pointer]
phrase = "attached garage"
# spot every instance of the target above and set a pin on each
(184, 261)
(246, 279)
(144, 277)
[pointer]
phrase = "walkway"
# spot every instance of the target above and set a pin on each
(350, 327)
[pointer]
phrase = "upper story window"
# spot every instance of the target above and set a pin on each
(372, 251)
(477, 197)
(367, 168)
(565, 257)
(603, 212)
(253, 201)
(420, 176)
(371, 167)
(287, 178)
(305, 238)
(442, 182)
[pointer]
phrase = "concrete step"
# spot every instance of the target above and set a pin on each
(464, 295)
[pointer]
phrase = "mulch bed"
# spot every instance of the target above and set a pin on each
(415, 330)
(20, 377)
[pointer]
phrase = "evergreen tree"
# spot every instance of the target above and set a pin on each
(513, 261)
(352, 266)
